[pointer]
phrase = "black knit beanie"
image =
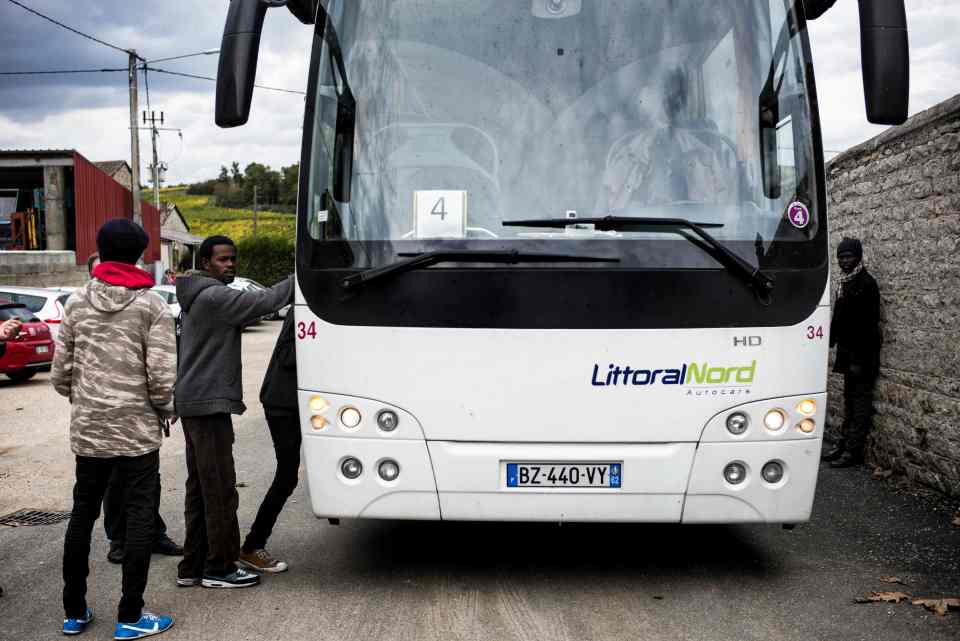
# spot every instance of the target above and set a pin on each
(122, 241)
(850, 246)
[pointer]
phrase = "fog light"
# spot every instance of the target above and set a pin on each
(350, 416)
(807, 407)
(772, 472)
(737, 423)
(318, 422)
(735, 473)
(774, 420)
(389, 470)
(351, 468)
(807, 426)
(387, 420)
(319, 404)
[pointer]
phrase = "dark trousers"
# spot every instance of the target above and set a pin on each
(212, 544)
(857, 412)
(285, 432)
(115, 519)
(139, 476)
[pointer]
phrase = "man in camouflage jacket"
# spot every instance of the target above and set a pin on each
(116, 362)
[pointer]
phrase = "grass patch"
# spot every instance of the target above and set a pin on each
(206, 219)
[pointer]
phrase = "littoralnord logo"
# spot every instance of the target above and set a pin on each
(700, 374)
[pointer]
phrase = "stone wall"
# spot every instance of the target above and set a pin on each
(900, 194)
(41, 269)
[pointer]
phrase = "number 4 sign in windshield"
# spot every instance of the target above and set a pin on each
(440, 214)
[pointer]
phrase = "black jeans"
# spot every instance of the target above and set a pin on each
(285, 432)
(857, 412)
(212, 543)
(114, 518)
(139, 476)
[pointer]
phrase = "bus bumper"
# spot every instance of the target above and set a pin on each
(665, 483)
(661, 482)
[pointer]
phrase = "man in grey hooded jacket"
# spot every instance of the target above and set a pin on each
(209, 391)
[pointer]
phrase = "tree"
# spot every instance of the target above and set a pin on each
(289, 177)
(224, 175)
(235, 173)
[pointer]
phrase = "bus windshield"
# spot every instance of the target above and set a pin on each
(467, 115)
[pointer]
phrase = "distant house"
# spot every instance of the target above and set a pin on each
(177, 244)
(119, 170)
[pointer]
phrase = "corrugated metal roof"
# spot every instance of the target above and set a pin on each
(42, 153)
(180, 237)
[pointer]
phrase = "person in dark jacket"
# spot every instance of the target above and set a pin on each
(278, 395)
(855, 331)
(209, 391)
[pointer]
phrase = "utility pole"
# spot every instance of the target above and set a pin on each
(254, 211)
(156, 168)
(134, 139)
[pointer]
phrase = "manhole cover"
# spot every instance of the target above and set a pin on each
(22, 518)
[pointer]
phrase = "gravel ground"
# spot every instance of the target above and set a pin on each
(452, 581)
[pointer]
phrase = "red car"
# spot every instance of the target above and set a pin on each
(32, 350)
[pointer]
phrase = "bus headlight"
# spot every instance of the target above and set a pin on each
(351, 468)
(772, 472)
(350, 417)
(774, 420)
(389, 470)
(807, 407)
(319, 404)
(318, 422)
(807, 426)
(737, 423)
(387, 420)
(735, 473)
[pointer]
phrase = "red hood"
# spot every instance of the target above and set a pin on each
(124, 275)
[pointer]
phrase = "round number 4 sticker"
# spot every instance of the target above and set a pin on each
(799, 215)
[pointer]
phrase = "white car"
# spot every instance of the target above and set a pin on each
(169, 295)
(46, 304)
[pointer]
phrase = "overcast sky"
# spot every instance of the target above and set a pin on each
(89, 112)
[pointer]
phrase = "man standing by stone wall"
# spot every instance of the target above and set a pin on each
(855, 331)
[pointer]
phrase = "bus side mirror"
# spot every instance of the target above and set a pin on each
(237, 70)
(886, 60)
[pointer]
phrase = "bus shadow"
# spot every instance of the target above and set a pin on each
(611, 550)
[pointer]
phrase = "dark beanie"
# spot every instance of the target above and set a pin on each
(122, 241)
(850, 246)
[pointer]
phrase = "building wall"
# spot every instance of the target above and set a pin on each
(41, 269)
(124, 177)
(900, 194)
(100, 198)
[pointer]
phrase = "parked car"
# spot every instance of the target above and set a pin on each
(169, 295)
(46, 304)
(31, 351)
(245, 283)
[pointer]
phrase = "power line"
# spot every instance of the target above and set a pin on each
(191, 75)
(208, 52)
(58, 71)
(69, 28)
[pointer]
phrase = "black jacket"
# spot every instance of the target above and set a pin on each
(855, 328)
(209, 377)
(278, 394)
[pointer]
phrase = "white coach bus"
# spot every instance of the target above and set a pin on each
(563, 260)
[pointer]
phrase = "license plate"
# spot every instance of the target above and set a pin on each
(43, 349)
(560, 475)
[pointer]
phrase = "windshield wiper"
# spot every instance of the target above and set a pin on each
(752, 276)
(506, 257)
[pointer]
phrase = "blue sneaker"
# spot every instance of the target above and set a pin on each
(76, 626)
(148, 625)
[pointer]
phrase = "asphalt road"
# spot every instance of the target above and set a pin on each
(492, 582)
